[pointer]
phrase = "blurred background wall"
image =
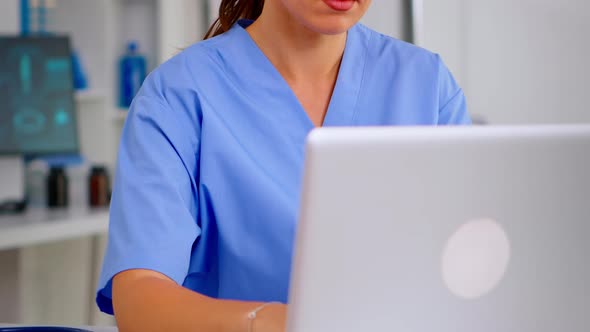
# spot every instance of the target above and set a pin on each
(519, 62)
(10, 17)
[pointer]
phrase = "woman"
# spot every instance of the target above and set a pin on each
(210, 162)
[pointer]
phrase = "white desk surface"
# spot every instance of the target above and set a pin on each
(38, 226)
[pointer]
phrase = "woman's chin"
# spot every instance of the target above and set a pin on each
(332, 25)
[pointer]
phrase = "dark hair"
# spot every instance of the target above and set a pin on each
(230, 11)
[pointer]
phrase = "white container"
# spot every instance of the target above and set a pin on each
(36, 184)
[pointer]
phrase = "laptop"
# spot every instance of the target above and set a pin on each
(454, 229)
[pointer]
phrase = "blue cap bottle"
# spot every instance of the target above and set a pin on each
(132, 72)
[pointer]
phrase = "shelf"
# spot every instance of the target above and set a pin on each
(89, 328)
(39, 226)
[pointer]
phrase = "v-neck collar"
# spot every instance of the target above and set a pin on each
(258, 72)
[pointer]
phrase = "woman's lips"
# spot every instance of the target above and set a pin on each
(340, 5)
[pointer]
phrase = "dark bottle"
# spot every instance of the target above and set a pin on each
(57, 188)
(99, 187)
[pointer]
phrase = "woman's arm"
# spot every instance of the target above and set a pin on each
(147, 301)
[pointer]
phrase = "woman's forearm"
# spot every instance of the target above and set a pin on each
(146, 301)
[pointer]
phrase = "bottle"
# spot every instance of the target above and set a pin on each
(36, 184)
(132, 71)
(80, 78)
(78, 185)
(99, 187)
(37, 17)
(57, 188)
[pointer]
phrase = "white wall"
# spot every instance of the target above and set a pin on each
(182, 24)
(10, 17)
(213, 9)
(442, 32)
(519, 61)
(387, 17)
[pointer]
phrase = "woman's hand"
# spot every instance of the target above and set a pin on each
(272, 318)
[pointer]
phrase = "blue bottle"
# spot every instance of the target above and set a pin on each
(132, 71)
(80, 79)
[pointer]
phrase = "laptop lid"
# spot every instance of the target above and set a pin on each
(444, 229)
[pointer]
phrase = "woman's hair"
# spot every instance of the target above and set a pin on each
(230, 11)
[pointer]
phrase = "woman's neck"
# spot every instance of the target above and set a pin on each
(298, 53)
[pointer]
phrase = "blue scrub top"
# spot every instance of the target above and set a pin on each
(211, 158)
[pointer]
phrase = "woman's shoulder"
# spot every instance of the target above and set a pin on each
(386, 50)
(185, 72)
(197, 57)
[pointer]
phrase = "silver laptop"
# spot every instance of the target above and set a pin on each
(459, 229)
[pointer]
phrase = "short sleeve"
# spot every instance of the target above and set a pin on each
(453, 106)
(153, 215)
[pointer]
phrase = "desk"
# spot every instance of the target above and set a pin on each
(50, 260)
